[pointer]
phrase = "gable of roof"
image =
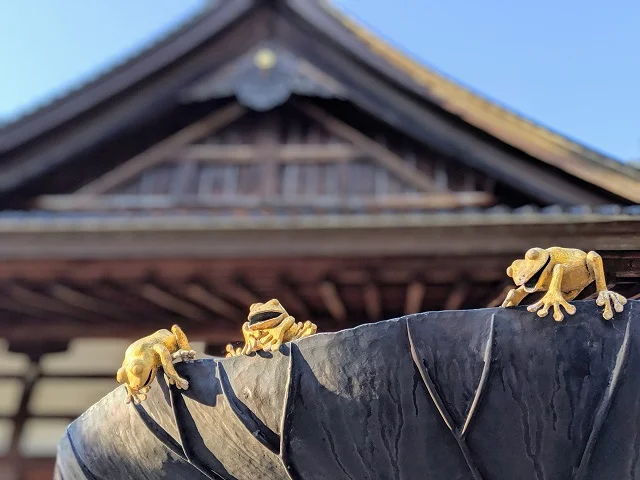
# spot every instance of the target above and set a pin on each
(425, 83)
(488, 116)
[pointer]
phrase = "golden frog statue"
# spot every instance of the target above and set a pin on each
(562, 273)
(143, 358)
(268, 327)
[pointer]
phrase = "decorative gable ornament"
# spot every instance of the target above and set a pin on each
(264, 78)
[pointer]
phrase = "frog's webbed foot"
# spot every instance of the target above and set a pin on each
(136, 396)
(606, 298)
(272, 341)
(552, 299)
(274, 338)
(308, 328)
(184, 355)
(178, 381)
(233, 352)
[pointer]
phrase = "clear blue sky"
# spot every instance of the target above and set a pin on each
(572, 65)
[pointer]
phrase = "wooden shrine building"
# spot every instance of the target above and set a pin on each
(274, 149)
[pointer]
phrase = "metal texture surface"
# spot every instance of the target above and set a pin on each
(493, 394)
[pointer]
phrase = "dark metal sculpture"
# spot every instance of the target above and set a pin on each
(493, 394)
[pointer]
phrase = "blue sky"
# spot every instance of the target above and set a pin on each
(571, 65)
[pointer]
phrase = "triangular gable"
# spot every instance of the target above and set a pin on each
(356, 68)
(290, 157)
(490, 117)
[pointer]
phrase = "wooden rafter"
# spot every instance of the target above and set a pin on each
(202, 296)
(77, 299)
(293, 300)
(382, 155)
(239, 290)
(170, 302)
(332, 301)
(457, 296)
(416, 291)
(164, 149)
(372, 301)
(30, 298)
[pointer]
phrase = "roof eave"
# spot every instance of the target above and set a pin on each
(67, 238)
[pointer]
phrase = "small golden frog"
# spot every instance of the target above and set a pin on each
(563, 273)
(143, 358)
(268, 327)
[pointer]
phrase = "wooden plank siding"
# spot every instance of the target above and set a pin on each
(283, 158)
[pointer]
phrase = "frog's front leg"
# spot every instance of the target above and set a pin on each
(553, 297)
(274, 338)
(514, 297)
(165, 359)
(251, 339)
(605, 297)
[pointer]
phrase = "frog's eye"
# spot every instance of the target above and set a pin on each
(254, 305)
(509, 272)
(532, 254)
(137, 369)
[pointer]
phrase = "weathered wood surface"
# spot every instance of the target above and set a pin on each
(489, 394)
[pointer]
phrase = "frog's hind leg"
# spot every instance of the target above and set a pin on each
(184, 353)
(183, 342)
(605, 297)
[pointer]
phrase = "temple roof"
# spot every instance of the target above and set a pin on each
(420, 81)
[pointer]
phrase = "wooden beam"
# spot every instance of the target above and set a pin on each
(170, 302)
(11, 305)
(293, 299)
(385, 157)
(372, 301)
(164, 149)
(200, 295)
(422, 201)
(86, 302)
(239, 290)
(332, 301)
(415, 297)
(38, 300)
(457, 296)
(288, 153)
